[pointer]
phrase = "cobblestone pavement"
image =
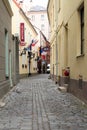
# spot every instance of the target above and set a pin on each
(37, 104)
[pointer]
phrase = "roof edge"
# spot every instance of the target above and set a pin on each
(8, 6)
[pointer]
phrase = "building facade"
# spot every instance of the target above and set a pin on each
(5, 47)
(68, 39)
(15, 60)
(38, 14)
(22, 27)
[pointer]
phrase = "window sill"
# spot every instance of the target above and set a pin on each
(81, 55)
(7, 77)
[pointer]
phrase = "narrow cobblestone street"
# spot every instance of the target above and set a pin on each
(37, 104)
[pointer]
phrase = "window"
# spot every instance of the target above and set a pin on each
(42, 27)
(58, 5)
(33, 18)
(42, 17)
(82, 29)
(6, 54)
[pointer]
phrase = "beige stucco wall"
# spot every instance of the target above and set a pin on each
(68, 37)
(29, 35)
(71, 16)
(77, 65)
(5, 24)
(52, 37)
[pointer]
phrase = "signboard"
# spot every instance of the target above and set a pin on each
(22, 35)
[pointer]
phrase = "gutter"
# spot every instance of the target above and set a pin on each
(21, 11)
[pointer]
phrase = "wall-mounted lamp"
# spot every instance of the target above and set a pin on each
(23, 52)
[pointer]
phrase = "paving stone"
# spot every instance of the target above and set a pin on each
(35, 103)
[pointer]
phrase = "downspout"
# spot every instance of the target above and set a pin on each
(56, 19)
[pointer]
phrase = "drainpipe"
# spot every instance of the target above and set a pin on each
(56, 59)
(56, 18)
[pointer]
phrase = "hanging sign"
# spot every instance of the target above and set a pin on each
(22, 35)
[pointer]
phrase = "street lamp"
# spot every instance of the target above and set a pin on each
(29, 56)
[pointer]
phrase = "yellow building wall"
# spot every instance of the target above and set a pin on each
(69, 39)
(67, 24)
(52, 17)
(28, 38)
(72, 18)
(19, 17)
(67, 30)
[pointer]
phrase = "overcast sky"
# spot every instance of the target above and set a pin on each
(40, 2)
(37, 2)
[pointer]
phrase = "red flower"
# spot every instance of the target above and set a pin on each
(66, 73)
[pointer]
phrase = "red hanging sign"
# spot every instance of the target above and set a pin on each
(22, 35)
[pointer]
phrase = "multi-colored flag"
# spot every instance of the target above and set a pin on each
(44, 37)
(34, 42)
(29, 47)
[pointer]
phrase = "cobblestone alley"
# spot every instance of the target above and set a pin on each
(37, 104)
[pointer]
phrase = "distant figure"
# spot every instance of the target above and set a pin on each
(39, 66)
(43, 68)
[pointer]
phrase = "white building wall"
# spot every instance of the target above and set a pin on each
(35, 18)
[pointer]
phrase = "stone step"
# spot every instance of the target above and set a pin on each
(2, 104)
(63, 88)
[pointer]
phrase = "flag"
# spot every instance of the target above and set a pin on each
(34, 42)
(46, 49)
(43, 57)
(44, 37)
(29, 47)
(43, 53)
(40, 50)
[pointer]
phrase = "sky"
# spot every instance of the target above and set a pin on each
(37, 2)
(40, 2)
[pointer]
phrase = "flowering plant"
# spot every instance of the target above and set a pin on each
(66, 73)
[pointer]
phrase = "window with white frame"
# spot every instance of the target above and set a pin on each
(81, 38)
(42, 17)
(42, 27)
(33, 17)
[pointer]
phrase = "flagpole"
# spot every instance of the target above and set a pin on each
(40, 62)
